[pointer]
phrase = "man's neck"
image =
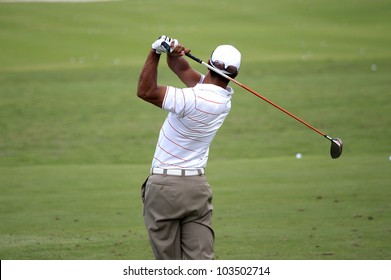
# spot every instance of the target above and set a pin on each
(210, 80)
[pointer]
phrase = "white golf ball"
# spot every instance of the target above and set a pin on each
(389, 158)
(298, 156)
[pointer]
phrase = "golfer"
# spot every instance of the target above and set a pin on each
(177, 199)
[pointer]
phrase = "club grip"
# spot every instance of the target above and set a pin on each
(194, 58)
(166, 46)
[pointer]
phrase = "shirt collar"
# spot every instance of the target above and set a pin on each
(227, 92)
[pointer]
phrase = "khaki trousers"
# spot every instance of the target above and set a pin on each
(178, 215)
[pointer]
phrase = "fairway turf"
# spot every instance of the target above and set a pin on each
(76, 143)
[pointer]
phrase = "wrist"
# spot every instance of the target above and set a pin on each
(154, 52)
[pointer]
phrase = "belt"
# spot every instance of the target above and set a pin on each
(177, 172)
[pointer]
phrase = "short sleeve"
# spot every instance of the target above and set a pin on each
(176, 100)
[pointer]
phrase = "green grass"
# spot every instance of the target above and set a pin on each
(305, 209)
(76, 143)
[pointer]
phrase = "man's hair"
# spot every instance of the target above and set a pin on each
(216, 75)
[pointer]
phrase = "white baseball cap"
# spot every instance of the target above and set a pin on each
(226, 56)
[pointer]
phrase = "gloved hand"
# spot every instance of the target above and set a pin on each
(164, 44)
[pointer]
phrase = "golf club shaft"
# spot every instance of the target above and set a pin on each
(257, 94)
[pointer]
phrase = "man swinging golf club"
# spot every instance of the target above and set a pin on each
(177, 198)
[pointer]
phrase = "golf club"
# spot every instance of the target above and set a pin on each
(336, 143)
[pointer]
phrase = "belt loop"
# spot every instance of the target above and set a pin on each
(164, 172)
(183, 172)
(199, 172)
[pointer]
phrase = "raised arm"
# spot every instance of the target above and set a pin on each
(181, 67)
(147, 88)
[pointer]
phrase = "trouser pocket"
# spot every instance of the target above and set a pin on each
(143, 193)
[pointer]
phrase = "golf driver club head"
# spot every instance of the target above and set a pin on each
(336, 147)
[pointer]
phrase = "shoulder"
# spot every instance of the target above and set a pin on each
(176, 99)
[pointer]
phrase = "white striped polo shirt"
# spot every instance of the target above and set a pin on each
(195, 115)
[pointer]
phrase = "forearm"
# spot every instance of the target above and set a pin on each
(177, 64)
(181, 67)
(148, 88)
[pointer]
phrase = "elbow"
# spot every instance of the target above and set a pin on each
(145, 94)
(152, 95)
(142, 92)
(145, 90)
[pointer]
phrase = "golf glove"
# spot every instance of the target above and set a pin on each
(163, 44)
